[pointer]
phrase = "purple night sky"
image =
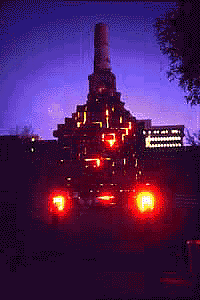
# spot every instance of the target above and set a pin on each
(47, 54)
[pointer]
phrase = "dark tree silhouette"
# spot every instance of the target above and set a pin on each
(178, 34)
(26, 133)
(194, 139)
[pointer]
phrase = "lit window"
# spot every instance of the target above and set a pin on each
(113, 109)
(78, 124)
(85, 115)
(157, 131)
(123, 135)
(110, 138)
(129, 125)
(78, 114)
(94, 159)
(107, 123)
(124, 161)
(120, 119)
(154, 131)
(113, 164)
(144, 131)
(161, 145)
(149, 132)
(174, 131)
(147, 140)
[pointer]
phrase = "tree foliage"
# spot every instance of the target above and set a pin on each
(178, 34)
(194, 139)
(26, 133)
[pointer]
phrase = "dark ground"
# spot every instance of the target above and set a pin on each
(93, 257)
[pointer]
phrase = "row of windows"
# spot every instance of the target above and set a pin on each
(163, 145)
(161, 131)
(168, 138)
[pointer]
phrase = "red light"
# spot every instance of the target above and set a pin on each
(109, 139)
(106, 199)
(60, 203)
(146, 201)
(96, 162)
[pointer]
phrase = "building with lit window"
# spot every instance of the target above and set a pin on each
(167, 136)
(102, 132)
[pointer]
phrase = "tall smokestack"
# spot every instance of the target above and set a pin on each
(101, 47)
